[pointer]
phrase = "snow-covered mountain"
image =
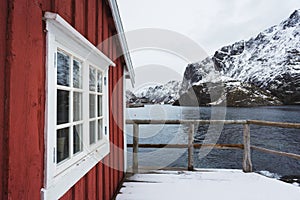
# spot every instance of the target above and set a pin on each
(270, 61)
(229, 93)
(264, 70)
(166, 93)
(130, 97)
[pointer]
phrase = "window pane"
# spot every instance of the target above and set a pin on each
(77, 136)
(92, 132)
(99, 105)
(92, 105)
(62, 106)
(62, 144)
(77, 103)
(100, 132)
(63, 69)
(92, 79)
(99, 82)
(77, 76)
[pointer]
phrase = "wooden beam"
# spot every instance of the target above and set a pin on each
(274, 124)
(291, 155)
(135, 148)
(185, 146)
(247, 164)
(191, 147)
(186, 121)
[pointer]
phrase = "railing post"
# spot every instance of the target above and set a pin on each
(135, 161)
(247, 163)
(191, 147)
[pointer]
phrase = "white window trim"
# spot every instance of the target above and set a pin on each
(60, 34)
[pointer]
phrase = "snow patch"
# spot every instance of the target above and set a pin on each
(210, 184)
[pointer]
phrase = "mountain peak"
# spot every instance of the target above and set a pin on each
(296, 12)
(293, 20)
(295, 15)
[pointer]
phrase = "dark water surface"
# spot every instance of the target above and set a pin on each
(287, 140)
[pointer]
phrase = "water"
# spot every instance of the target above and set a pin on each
(287, 140)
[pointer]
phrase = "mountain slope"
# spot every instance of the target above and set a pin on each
(166, 93)
(270, 61)
(229, 93)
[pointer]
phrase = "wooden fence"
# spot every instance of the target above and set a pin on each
(246, 146)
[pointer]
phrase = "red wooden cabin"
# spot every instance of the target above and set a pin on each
(61, 99)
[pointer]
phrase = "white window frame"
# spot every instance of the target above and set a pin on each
(60, 177)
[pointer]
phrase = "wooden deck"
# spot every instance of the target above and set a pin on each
(205, 184)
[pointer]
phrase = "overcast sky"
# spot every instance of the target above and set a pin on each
(210, 23)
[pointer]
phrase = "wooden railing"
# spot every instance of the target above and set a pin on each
(246, 146)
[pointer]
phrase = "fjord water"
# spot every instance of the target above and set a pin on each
(287, 140)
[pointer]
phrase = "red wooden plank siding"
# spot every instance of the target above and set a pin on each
(105, 27)
(91, 21)
(121, 124)
(91, 192)
(79, 190)
(25, 84)
(65, 9)
(99, 23)
(111, 100)
(100, 181)
(113, 126)
(67, 196)
(3, 20)
(79, 16)
(117, 123)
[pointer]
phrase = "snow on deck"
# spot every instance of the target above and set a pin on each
(210, 184)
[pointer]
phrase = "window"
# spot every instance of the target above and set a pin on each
(95, 97)
(69, 105)
(77, 132)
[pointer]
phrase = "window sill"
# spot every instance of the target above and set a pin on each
(74, 173)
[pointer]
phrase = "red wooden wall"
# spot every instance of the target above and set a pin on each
(3, 17)
(22, 96)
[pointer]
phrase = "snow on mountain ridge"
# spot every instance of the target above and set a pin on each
(166, 93)
(292, 20)
(271, 61)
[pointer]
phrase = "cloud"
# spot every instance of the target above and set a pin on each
(204, 20)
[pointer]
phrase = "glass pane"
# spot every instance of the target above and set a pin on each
(92, 79)
(100, 129)
(92, 105)
(92, 132)
(77, 74)
(77, 103)
(62, 106)
(99, 82)
(62, 144)
(63, 69)
(99, 105)
(77, 136)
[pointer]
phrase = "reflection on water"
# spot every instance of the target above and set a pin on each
(287, 140)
